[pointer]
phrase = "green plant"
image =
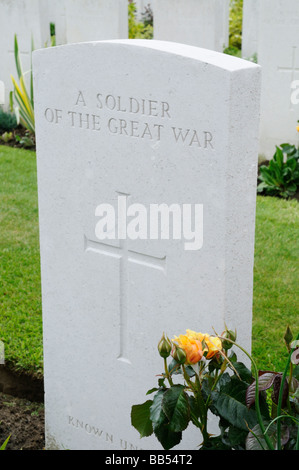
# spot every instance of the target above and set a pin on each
(6, 137)
(235, 24)
(227, 388)
(52, 34)
(138, 29)
(27, 141)
(24, 99)
(147, 16)
(281, 176)
(8, 121)
(3, 447)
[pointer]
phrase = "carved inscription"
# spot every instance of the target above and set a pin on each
(104, 436)
(129, 117)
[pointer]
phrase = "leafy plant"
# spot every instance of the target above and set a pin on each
(235, 24)
(281, 176)
(8, 121)
(147, 16)
(216, 382)
(138, 29)
(53, 34)
(6, 137)
(24, 99)
(27, 140)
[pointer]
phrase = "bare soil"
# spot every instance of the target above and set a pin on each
(23, 421)
(20, 138)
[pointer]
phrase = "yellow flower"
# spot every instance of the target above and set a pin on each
(212, 344)
(297, 128)
(192, 348)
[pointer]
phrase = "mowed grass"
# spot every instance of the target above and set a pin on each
(276, 272)
(276, 280)
(20, 290)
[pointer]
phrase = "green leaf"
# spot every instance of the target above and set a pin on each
(278, 157)
(215, 443)
(230, 405)
(243, 371)
(288, 149)
(236, 437)
(152, 390)
(176, 407)
(194, 411)
(140, 418)
(17, 58)
(156, 411)
(292, 163)
(167, 438)
(3, 447)
(160, 422)
(31, 73)
(265, 381)
(256, 440)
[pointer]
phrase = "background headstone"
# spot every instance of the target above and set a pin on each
(202, 23)
(250, 27)
(278, 55)
(277, 37)
(151, 122)
(21, 17)
(94, 20)
(53, 11)
(74, 20)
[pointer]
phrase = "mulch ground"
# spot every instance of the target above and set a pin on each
(20, 138)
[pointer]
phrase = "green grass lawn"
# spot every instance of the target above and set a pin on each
(20, 293)
(276, 273)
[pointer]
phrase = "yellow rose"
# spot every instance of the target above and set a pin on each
(213, 344)
(192, 348)
(297, 128)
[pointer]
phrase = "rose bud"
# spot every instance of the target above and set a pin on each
(164, 347)
(230, 336)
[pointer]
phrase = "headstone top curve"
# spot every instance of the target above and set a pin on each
(217, 59)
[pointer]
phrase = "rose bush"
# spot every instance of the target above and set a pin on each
(215, 381)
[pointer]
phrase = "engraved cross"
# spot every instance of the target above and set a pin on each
(125, 256)
(291, 69)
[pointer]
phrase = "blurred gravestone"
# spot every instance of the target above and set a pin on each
(202, 23)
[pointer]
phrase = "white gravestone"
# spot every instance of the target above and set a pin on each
(94, 20)
(136, 125)
(278, 55)
(250, 27)
(202, 23)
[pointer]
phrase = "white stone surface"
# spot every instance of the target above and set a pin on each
(112, 123)
(202, 23)
(250, 27)
(278, 55)
(94, 20)
(2, 93)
